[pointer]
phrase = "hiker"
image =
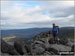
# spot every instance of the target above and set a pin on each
(55, 32)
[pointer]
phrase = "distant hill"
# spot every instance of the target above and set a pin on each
(29, 33)
(67, 27)
(66, 32)
(23, 32)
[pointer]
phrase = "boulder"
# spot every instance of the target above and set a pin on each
(63, 41)
(70, 42)
(51, 41)
(38, 50)
(38, 43)
(28, 48)
(5, 48)
(60, 47)
(38, 47)
(20, 48)
(72, 48)
(13, 52)
(53, 51)
(47, 46)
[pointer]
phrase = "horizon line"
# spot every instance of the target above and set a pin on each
(33, 27)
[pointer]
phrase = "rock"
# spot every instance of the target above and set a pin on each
(47, 46)
(13, 52)
(5, 48)
(42, 44)
(38, 47)
(41, 35)
(20, 48)
(47, 53)
(72, 48)
(38, 43)
(51, 41)
(38, 50)
(42, 41)
(28, 48)
(63, 41)
(53, 51)
(70, 42)
(60, 47)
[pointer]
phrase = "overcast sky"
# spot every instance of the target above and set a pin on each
(31, 14)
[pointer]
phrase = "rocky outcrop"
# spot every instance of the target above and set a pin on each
(53, 51)
(51, 41)
(20, 48)
(5, 48)
(42, 44)
(38, 50)
(64, 41)
(60, 47)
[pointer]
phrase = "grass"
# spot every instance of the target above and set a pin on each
(8, 38)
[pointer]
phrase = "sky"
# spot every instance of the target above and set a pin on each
(36, 14)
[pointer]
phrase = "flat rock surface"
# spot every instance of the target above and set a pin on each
(60, 47)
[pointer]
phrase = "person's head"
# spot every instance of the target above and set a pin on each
(53, 24)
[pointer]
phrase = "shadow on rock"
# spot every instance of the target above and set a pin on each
(5, 48)
(20, 48)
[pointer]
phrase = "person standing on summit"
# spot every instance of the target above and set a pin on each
(55, 32)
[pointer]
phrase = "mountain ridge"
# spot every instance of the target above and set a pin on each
(29, 33)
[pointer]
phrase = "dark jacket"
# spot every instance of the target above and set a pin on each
(55, 30)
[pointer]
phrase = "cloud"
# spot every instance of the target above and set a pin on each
(22, 15)
(59, 8)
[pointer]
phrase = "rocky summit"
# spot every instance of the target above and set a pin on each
(41, 44)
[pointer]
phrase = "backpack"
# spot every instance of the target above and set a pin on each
(56, 29)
